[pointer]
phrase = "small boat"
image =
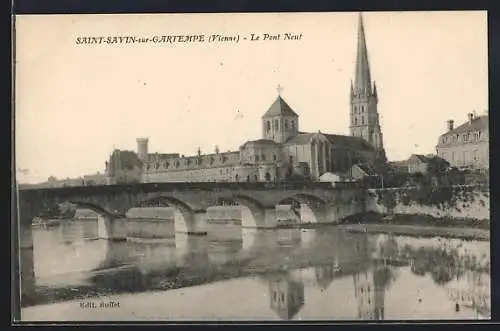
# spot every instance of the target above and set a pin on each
(388, 218)
(40, 222)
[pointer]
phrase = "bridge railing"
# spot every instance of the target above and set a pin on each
(152, 187)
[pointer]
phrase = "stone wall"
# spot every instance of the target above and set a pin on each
(460, 202)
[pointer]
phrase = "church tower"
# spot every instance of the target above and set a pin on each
(364, 119)
(280, 122)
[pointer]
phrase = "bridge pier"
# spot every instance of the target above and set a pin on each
(27, 264)
(310, 214)
(111, 228)
(191, 250)
(191, 222)
(259, 218)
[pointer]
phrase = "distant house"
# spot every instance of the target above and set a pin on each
(399, 166)
(365, 174)
(418, 163)
(466, 146)
(330, 177)
(95, 179)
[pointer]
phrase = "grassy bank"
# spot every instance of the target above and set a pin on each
(417, 220)
(419, 225)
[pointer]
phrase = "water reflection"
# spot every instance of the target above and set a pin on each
(322, 273)
(286, 294)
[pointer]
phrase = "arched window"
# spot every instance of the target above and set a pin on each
(268, 126)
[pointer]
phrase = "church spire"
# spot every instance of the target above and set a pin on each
(362, 82)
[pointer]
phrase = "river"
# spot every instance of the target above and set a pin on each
(325, 273)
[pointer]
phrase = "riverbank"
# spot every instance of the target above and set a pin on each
(419, 225)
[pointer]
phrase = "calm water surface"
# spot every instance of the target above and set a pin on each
(286, 274)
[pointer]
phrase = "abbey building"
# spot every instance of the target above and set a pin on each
(283, 152)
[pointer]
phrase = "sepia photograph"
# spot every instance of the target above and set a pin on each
(327, 166)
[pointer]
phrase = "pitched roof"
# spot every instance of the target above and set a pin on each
(366, 169)
(300, 139)
(280, 107)
(428, 159)
(260, 142)
(162, 156)
(421, 158)
(350, 142)
(479, 123)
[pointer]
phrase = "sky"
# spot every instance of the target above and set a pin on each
(75, 103)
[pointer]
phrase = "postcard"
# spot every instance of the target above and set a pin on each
(327, 166)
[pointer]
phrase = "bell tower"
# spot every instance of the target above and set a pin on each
(280, 122)
(364, 117)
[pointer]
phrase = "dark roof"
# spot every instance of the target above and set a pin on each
(261, 142)
(162, 156)
(478, 123)
(430, 159)
(300, 139)
(421, 158)
(366, 169)
(403, 163)
(280, 107)
(350, 142)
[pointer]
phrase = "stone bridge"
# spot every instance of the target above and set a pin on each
(318, 202)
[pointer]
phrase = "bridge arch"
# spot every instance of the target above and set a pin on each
(166, 201)
(309, 208)
(187, 218)
(108, 227)
(254, 213)
(99, 210)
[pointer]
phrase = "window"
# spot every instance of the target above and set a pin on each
(475, 154)
(362, 120)
(355, 121)
(362, 109)
(290, 158)
(292, 124)
(274, 157)
(276, 124)
(355, 109)
(286, 125)
(263, 157)
(466, 157)
(268, 126)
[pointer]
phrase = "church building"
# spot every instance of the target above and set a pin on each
(284, 152)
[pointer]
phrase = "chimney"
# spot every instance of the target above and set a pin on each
(450, 125)
(470, 116)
